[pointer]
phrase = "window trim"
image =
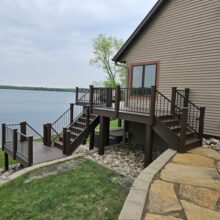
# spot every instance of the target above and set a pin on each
(143, 74)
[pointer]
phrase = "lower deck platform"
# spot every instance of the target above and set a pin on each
(42, 153)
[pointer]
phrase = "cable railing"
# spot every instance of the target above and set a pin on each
(83, 96)
(18, 144)
(193, 111)
(54, 130)
(104, 98)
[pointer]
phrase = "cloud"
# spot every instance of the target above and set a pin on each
(48, 42)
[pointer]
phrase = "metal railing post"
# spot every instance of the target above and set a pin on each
(15, 138)
(87, 117)
(71, 113)
(201, 121)
(183, 127)
(77, 94)
(3, 136)
(49, 134)
(30, 151)
(91, 91)
(173, 100)
(186, 99)
(117, 100)
(64, 140)
(23, 129)
(153, 103)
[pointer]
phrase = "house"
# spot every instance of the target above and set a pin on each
(172, 94)
(178, 45)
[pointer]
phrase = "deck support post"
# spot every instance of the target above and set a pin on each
(6, 161)
(148, 147)
(125, 131)
(183, 127)
(30, 151)
(119, 123)
(91, 91)
(71, 113)
(173, 100)
(3, 136)
(104, 134)
(23, 129)
(201, 122)
(15, 137)
(187, 90)
(77, 94)
(117, 100)
(92, 140)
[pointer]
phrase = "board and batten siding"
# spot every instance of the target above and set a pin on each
(185, 38)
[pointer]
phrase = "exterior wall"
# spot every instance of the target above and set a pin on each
(185, 38)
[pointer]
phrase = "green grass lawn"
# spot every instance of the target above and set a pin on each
(2, 160)
(113, 124)
(88, 191)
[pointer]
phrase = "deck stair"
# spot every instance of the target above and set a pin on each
(77, 133)
(178, 121)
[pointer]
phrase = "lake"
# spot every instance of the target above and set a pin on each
(35, 107)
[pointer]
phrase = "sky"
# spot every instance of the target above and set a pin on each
(49, 42)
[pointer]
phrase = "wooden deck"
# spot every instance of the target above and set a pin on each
(42, 153)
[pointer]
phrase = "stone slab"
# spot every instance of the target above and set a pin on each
(207, 152)
(160, 217)
(197, 212)
(200, 196)
(162, 198)
(196, 176)
(193, 160)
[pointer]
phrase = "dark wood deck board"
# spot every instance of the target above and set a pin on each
(42, 153)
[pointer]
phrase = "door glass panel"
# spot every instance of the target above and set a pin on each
(149, 78)
(137, 76)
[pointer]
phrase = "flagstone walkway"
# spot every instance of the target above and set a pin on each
(188, 187)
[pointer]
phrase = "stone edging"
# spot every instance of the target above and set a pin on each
(133, 207)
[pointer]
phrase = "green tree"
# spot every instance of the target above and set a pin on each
(104, 48)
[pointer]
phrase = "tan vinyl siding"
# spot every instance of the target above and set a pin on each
(185, 38)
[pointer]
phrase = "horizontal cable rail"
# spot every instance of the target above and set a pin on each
(32, 132)
(163, 106)
(17, 144)
(83, 96)
(65, 120)
(193, 111)
(104, 98)
(135, 100)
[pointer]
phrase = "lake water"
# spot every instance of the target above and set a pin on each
(35, 107)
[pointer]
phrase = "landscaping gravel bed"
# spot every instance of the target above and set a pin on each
(125, 159)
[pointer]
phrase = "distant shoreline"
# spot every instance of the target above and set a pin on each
(37, 88)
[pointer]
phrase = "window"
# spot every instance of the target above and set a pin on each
(143, 77)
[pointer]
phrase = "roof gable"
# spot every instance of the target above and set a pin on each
(153, 12)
